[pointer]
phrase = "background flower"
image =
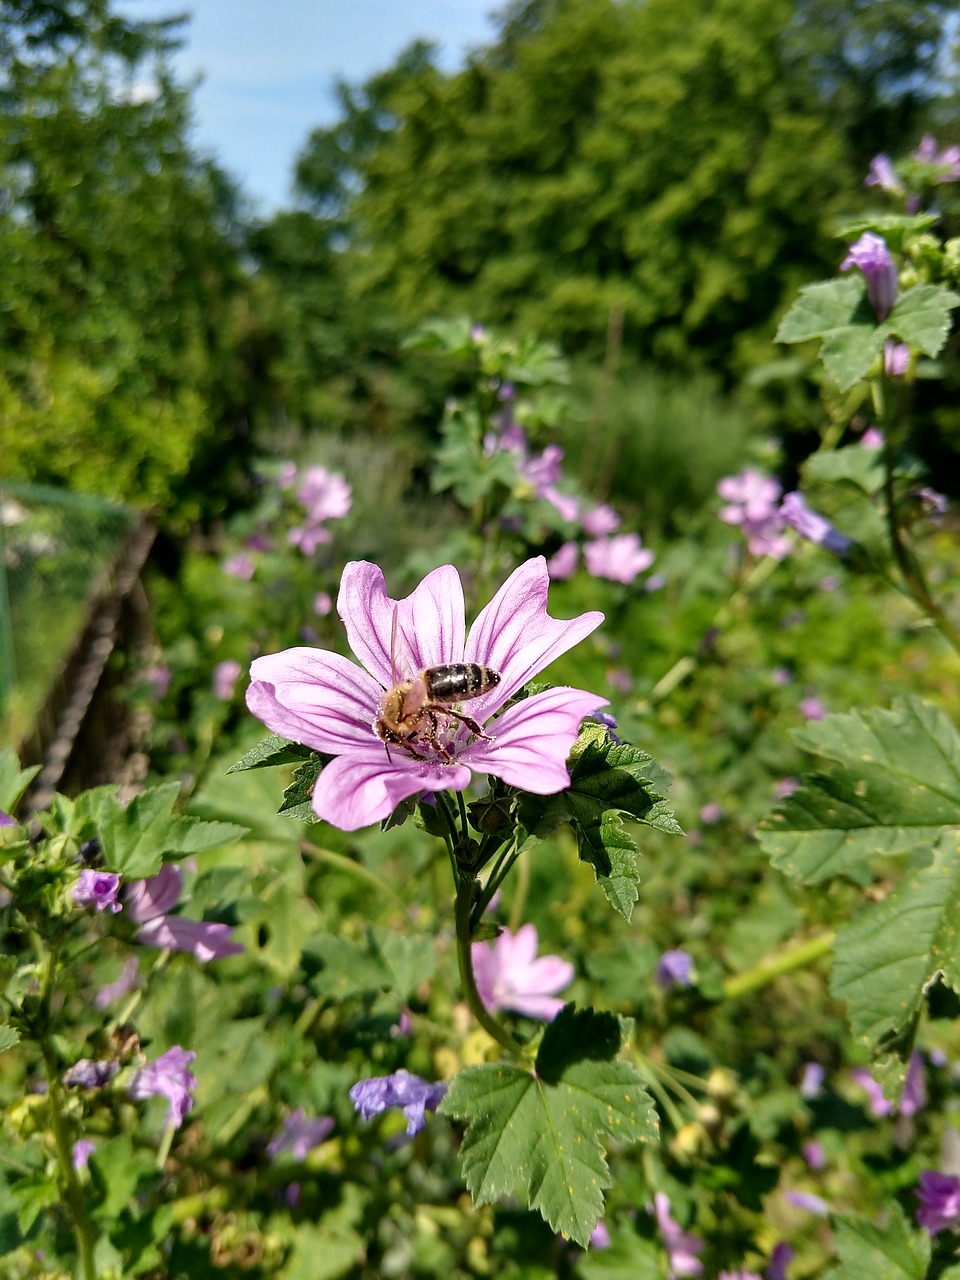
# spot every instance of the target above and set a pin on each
(168, 1077)
(509, 974)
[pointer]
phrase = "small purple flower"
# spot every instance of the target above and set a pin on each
(780, 1259)
(939, 1196)
(872, 438)
(298, 1134)
(896, 358)
(753, 504)
(168, 1077)
(656, 582)
(807, 1201)
(877, 1103)
(325, 701)
(946, 162)
(871, 255)
(740, 1274)
(814, 1155)
(288, 475)
(117, 990)
(783, 788)
(411, 1093)
(239, 566)
(682, 1249)
(812, 709)
(620, 558)
(711, 813)
(6, 820)
(510, 975)
(322, 604)
(158, 677)
(812, 1081)
(83, 1149)
(97, 889)
(674, 969)
(781, 676)
(563, 563)
(883, 175)
(812, 526)
(914, 1096)
(609, 722)
(91, 1073)
(225, 676)
(933, 503)
(324, 495)
(600, 1236)
(205, 940)
(600, 522)
(156, 895)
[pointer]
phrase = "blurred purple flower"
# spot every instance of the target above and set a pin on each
(812, 526)
(914, 1096)
(872, 438)
(814, 1155)
(896, 358)
(83, 1149)
(871, 255)
(947, 161)
(934, 504)
(322, 604)
(204, 939)
(620, 558)
(877, 1103)
(155, 895)
(325, 701)
(324, 495)
(883, 175)
(780, 1259)
(97, 889)
(783, 788)
(158, 677)
(509, 974)
(939, 1196)
(239, 566)
(600, 1236)
(288, 475)
(620, 680)
(225, 676)
(674, 969)
(599, 522)
(740, 1274)
(563, 563)
(168, 1077)
(298, 1134)
(753, 503)
(656, 582)
(307, 537)
(609, 722)
(682, 1249)
(812, 709)
(711, 813)
(411, 1093)
(807, 1201)
(6, 820)
(116, 990)
(781, 676)
(812, 1080)
(90, 1073)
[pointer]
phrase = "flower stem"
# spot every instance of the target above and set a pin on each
(774, 966)
(464, 905)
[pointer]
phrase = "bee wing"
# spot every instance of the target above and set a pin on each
(402, 664)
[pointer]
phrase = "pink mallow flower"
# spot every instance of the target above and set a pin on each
(619, 558)
(563, 563)
(753, 503)
(883, 175)
(601, 521)
(939, 1196)
(510, 975)
(326, 702)
(225, 676)
(168, 1077)
(947, 161)
(97, 889)
(148, 903)
(682, 1249)
(324, 495)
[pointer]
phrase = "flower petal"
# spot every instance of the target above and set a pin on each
(515, 636)
(533, 739)
(363, 787)
(320, 699)
(430, 625)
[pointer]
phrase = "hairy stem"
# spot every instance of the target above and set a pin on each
(774, 966)
(464, 906)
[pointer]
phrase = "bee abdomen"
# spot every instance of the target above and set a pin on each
(459, 681)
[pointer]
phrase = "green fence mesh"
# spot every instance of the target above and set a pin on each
(55, 549)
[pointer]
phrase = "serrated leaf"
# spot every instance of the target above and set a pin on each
(894, 1251)
(889, 225)
(13, 780)
(297, 797)
(836, 311)
(885, 958)
(33, 1194)
(269, 751)
(853, 464)
(897, 786)
(9, 1036)
(539, 1135)
(922, 317)
(606, 782)
(135, 837)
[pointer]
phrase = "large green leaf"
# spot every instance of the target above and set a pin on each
(607, 782)
(922, 317)
(896, 785)
(13, 780)
(894, 1251)
(136, 836)
(539, 1135)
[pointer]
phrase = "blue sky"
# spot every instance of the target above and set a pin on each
(268, 68)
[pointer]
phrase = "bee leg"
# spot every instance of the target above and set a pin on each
(433, 737)
(471, 724)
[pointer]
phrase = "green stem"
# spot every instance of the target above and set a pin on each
(771, 967)
(520, 897)
(464, 906)
(348, 865)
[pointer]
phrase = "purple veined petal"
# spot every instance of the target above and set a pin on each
(156, 895)
(317, 698)
(515, 635)
(365, 786)
(532, 740)
(430, 621)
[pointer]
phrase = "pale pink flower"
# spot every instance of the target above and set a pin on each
(599, 522)
(324, 701)
(324, 495)
(753, 500)
(619, 558)
(682, 1249)
(225, 676)
(563, 563)
(510, 975)
(204, 939)
(322, 604)
(239, 566)
(168, 1077)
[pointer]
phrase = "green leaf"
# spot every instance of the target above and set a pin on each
(296, 798)
(888, 955)
(9, 1036)
(895, 787)
(891, 226)
(269, 751)
(607, 781)
(894, 1251)
(837, 311)
(539, 1134)
(115, 1170)
(13, 780)
(33, 1194)
(854, 464)
(922, 317)
(135, 837)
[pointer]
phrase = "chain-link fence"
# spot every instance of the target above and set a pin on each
(56, 553)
